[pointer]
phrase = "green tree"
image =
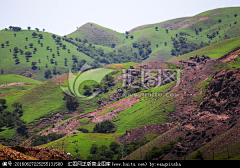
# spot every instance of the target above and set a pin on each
(87, 90)
(104, 126)
(93, 149)
(17, 61)
(48, 74)
(31, 45)
(113, 45)
(34, 34)
(41, 36)
(114, 146)
(85, 41)
(28, 54)
(71, 102)
(17, 108)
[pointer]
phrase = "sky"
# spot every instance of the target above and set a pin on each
(62, 17)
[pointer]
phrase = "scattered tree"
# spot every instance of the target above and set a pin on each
(2, 45)
(235, 15)
(71, 102)
(26, 38)
(17, 61)
(29, 28)
(113, 45)
(48, 73)
(53, 36)
(28, 54)
(41, 36)
(15, 55)
(85, 41)
(15, 49)
(104, 127)
(34, 34)
(31, 45)
(156, 28)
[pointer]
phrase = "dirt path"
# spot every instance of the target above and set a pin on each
(230, 55)
(67, 126)
(12, 84)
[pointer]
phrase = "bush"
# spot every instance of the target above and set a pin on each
(104, 127)
(164, 149)
(83, 130)
(46, 138)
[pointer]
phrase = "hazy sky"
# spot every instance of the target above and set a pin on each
(63, 16)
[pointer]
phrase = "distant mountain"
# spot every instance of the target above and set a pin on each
(170, 38)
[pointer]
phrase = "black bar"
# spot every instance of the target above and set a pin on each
(118, 163)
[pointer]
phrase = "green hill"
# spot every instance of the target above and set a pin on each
(11, 78)
(97, 35)
(170, 38)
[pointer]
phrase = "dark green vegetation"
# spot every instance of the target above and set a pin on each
(104, 127)
(46, 138)
(156, 152)
(114, 151)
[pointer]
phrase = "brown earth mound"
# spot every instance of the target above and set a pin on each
(30, 153)
(41, 153)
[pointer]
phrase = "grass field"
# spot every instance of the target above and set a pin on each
(216, 50)
(11, 78)
(83, 141)
(7, 60)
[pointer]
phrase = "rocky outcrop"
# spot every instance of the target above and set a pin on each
(222, 96)
(40, 153)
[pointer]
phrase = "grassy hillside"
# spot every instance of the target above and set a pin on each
(83, 142)
(97, 34)
(216, 50)
(7, 59)
(11, 78)
(205, 28)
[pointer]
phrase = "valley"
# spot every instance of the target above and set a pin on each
(164, 91)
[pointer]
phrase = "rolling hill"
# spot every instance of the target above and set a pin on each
(189, 116)
(208, 27)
